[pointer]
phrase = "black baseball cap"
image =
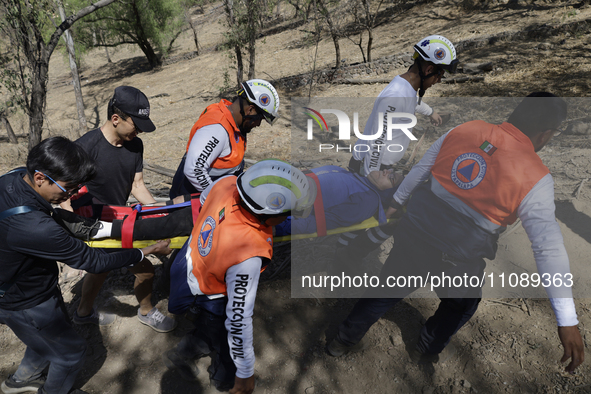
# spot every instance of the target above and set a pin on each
(134, 103)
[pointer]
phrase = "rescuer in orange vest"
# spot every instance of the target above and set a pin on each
(480, 178)
(216, 273)
(218, 139)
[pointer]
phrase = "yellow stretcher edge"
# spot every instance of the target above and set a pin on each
(178, 242)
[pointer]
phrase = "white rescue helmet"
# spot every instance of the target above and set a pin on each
(274, 187)
(263, 95)
(437, 50)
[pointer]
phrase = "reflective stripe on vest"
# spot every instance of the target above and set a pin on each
(219, 113)
(224, 235)
(485, 171)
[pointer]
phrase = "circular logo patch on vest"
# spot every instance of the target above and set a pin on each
(440, 54)
(276, 200)
(205, 239)
(264, 99)
(468, 170)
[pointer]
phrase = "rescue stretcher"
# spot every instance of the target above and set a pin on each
(177, 242)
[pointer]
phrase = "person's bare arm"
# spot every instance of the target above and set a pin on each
(140, 191)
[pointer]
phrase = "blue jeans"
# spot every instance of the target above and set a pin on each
(51, 341)
(410, 256)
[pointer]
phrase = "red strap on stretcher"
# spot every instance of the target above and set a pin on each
(319, 207)
(129, 220)
(127, 228)
(195, 206)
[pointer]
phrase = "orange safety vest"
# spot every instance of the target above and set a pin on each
(490, 168)
(219, 113)
(224, 235)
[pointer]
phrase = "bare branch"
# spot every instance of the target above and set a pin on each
(53, 41)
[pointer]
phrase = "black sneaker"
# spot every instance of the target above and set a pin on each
(97, 318)
(220, 385)
(185, 367)
(11, 386)
(337, 349)
(429, 358)
(81, 227)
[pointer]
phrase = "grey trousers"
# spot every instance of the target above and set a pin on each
(51, 341)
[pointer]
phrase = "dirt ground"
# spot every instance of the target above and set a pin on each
(510, 345)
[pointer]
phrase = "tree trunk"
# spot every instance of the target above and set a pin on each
(38, 96)
(9, 131)
(108, 57)
(75, 77)
(154, 60)
(333, 32)
(194, 34)
(369, 43)
(252, 35)
(229, 5)
(251, 62)
(239, 65)
(337, 49)
(360, 45)
(106, 49)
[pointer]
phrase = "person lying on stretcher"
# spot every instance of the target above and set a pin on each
(348, 199)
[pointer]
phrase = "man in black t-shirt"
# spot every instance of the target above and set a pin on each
(119, 169)
(118, 153)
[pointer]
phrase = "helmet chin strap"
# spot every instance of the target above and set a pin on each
(423, 78)
(244, 118)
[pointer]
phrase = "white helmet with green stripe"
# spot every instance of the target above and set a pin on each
(263, 95)
(274, 187)
(437, 50)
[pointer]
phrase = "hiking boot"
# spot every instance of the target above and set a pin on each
(97, 318)
(157, 320)
(185, 367)
(220, 385)
(11, 386)
(419, 357)
(336, 349)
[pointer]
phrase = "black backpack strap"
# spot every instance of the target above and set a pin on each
(3, 215)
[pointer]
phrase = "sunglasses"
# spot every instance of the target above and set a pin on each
(70, 192)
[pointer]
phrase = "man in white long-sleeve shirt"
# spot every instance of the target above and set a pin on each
(434, 55)
(217, 272)
(217, 142)
(479, 178)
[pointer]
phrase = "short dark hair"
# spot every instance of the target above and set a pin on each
(62, 160)
(114, 110)
(422, 63)
(538, 112)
